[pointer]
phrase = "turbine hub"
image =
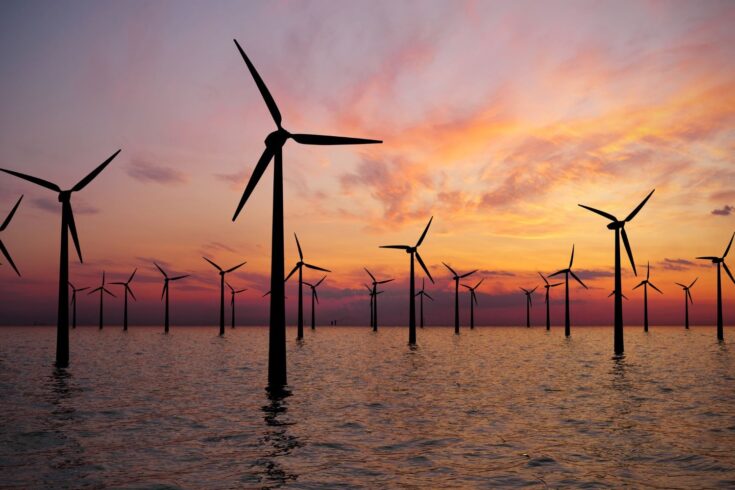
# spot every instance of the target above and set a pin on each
(64, 196)
(616, 225)
(277, 138)
(410, 250)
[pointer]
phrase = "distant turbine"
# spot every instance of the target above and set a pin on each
(423, 293)
(687, 294)
(300, 267)
(567, 272)
(473, 302)
(374, 299)
(456, 278)
(413, 252)
(718, 261)
(126, 285)
(619, 227)
(233, 292)
(314, 296)
(166, 280)
(67, 226)
(74, 292)
(102, 290)
(529, 304)
(222, 291)
(274, 151)
(613, 292)
(2, 228)
(548, 286)
(645, 283)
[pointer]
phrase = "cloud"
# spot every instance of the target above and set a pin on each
(725, 211)
(593, 273)
(54, 206)
(677, 264)
(235, 180)
(149, 172)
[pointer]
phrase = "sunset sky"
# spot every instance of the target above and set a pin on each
(498, 118)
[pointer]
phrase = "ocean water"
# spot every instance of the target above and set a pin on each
(490, 408)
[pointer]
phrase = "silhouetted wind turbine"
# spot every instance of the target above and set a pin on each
(645, 283)
(233, 292)
(423, 293)
(687, 294)
(473, 301)
(102, 290)
(413, 252)
(2, 228)
(374, 299)
(619, 227)
(222, 273)
(274, 151)
(166, 280)
(370, 291)
(720, 261)
(126, 285)
(314, 296)
(613, 292)
(529, 304)
(300, 267)
(567, 272)
(456, 278)
(74, 292)
(67, 226)
(548, 286)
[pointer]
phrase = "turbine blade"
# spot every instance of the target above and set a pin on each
(613, 292)
(723, 255)
(318, 139)
(680, 284)
(159, 268)
(132, 275)
(35, 180)
(267, 97)
(179, 277)
(298, 245)
(240, 291)
(627, 249)
(94, 290)
(266, 294)
(66, 208)
(8, 258)
(108, 292)
(118, 283)
(384, 281)
(423, 266)
(428, 296)
(563, 271)
(556, 284)
(624, 296)
(316, 296)
(689, 294)
(10, 215)
(723, 265)
(692, 284)
(165, 287)
(296, 267)
(474, 297)
(400, 247)
(82, 289)
(708, 258)
(478, 284)
(70, 284)
(524, 290)
(369, 274)
(534, 289)
(450, 269)
(130, 290)
(94, 173)
(601, 213)
(258, 171)
(639, 285)
(578, 279)
(320, 281)
(215, 265)
(638, 208)
(316, 268)
(423, 235)
(542, 277)
(648, 270)
(466, 286)
(235, 268)
(468, 274)
(571, 259)
(654, 287)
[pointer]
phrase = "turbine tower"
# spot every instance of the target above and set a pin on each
(102, 290)
(421, 294)
(456, 278)
(222, 274)
(300, 267)
(74, 292)
(314, 296)
(473, 301)
(720, 261)
(374, 299)
(166, 280)
(645, 283)
(567, 272)
(687, 295)
(529, 304)
(548, 286)
(126, 285)
(5, 224)
(233, 292)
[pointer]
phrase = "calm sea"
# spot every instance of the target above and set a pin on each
(490, 408)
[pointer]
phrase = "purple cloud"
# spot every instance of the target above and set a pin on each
(150, 172)
(54, 206)
(725, 211)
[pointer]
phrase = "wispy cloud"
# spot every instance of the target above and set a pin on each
(677, 264)
(726, 210)
(145, 171)
(54, 206)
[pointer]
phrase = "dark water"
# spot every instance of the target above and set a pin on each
(493, 407)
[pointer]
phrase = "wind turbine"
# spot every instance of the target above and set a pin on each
(274, 151)
(718, 261)
(2, 228)
(67, 226)
(374, 299)
(233, 292)
(300, 267)
(529, 304)
(622, 295)
(473, 301)
(370, 291)
(74, 292)
(567, 272)
(645, 283)
(619, 227)
(456, 278)
(126, 285)
(413, 252)
(548, 286)
(423, 293)
(222, 273)
(314, 296)
(166, 280)
(687, 294)
(102, 290)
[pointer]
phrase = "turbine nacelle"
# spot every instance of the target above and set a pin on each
(616, 225)
(65, 196)
(277, 139)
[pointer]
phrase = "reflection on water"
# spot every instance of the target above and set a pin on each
(493, 407)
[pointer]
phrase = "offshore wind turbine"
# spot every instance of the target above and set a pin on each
(126, 285)
(619, 227)
(5, 224)
(374, 299)
(473, 301)
(548, 286)
(567, 272)
(233, 292)
(74, 292)
(274, 151)
(687, 295)
(166, 280)
(529, 304)
(413, 252)
(300, 267)
(102, 290)
(721, 261)
(222, 273)
(67, 226)
(314, 296)
(645, 283)
(613, 292)
(421, 294)
(456, 278)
